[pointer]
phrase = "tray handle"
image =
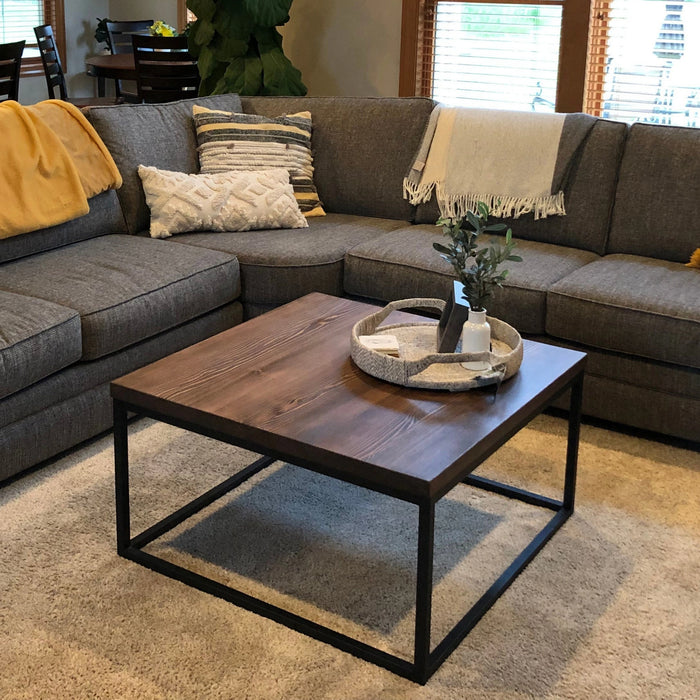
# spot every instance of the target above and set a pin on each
(417, 366)
(376, 318)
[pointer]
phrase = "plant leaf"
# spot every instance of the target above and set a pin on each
(268, 13)
(206, 64)
(473, 219)
(280, 77)
(243, 76)
(201, 34)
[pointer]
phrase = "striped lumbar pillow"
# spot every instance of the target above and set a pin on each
(233, 141)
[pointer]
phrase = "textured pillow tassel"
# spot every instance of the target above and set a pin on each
(694, 259)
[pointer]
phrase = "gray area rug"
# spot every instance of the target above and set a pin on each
(609, 609)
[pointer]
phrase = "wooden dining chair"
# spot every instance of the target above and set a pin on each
(120, 42)
(10, 63)
(120, 33)
(55, 77)
(165, 70)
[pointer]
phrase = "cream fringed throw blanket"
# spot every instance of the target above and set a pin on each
(53, 161)
(514, 162)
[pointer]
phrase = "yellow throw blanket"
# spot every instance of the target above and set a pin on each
(694, 259)
(53, 160)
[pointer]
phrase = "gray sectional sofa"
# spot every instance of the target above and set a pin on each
(89, 300)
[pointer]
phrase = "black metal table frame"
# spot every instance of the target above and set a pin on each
(425, 661)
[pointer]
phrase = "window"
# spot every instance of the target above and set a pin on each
(643, 61)
(627, 60)
(496, 56)
(17, 21)
(522, 54)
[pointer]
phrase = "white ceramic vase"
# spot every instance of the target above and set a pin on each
(476, 337)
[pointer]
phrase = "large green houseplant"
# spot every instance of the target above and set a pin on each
(239, 48)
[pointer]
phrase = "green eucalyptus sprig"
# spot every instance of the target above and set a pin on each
(477, 268)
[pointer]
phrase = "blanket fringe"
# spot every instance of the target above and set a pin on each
(417, 193)
(456, 206)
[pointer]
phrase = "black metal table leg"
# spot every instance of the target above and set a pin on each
(121, 476)
(572, 444)
(424, 590)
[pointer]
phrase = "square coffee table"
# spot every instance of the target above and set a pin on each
(283, 385)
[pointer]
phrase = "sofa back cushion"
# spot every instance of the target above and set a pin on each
(588, 196)
(105, 216)
(161, 135)
(362, 148)
(658, 194)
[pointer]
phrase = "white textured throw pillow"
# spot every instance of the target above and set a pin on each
(230, 201)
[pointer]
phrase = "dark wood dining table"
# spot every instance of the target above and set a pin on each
(119, 66)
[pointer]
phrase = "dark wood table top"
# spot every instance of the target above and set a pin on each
(284, 382)
(119, 66)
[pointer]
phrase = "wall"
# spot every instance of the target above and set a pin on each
(81, 19)
(165, 10)
(342, 47)
(346, 47)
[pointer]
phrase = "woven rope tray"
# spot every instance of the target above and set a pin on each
(420, 366)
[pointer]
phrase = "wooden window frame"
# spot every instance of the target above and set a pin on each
(181, 14)
(416, 59)
(53, 15)
(597, 55)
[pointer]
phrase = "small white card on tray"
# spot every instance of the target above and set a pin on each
(388, 344)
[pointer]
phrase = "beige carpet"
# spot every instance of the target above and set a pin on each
(609, 609)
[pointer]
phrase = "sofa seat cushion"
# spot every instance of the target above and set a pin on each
(280, 265)
(126, 288)
(37, 338)
(403, 264)
(630, 304)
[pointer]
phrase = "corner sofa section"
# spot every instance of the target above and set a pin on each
(362, 149)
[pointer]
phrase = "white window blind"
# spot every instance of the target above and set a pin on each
(496, 55)
(18, 19)
(644, 61)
